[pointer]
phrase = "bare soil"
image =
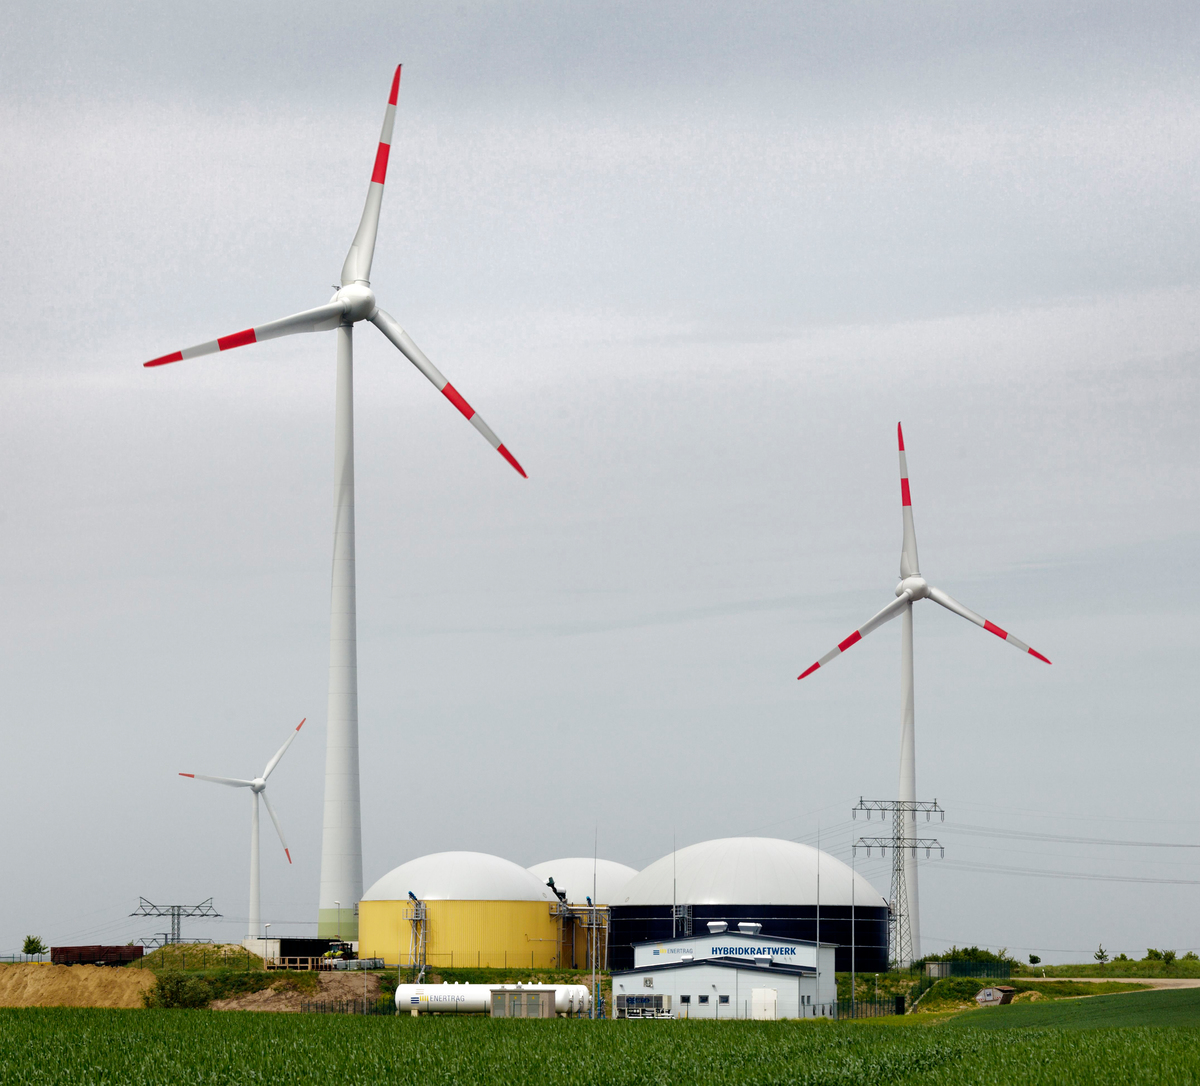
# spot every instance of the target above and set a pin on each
(333, 986)
(39, 984)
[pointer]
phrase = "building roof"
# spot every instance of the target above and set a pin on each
(573, 875)
(460, 876)
(767, 967)
(748, 871)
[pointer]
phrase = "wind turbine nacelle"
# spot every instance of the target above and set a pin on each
(916, 587)
(357, 299)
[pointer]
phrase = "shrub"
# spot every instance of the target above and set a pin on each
(971, 954)
(1153, 955)
(174, 990)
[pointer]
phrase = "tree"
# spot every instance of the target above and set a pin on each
(1153, 955)
(1034, 959)
(34, 946)
(1101, 954)
(1168, 957)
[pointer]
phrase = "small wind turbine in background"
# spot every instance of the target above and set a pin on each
(912, 587)
(258, 787)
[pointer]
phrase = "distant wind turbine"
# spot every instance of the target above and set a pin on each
(258, 787)
(341, 842)
(912, 587)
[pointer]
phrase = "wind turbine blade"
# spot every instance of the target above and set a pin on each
(362, 249)
(951, 604)
(909, 565)
(280, 752)
(889, 612)
(278, 827)
(321, 319)
(404, 344)
(233, 782)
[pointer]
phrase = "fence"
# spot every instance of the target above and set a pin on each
(383, 1005)
(493, 959)
(199, 956)
(985, 970)
(867, 1008)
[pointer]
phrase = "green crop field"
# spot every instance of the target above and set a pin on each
(1180, 1007)
(69, 1047)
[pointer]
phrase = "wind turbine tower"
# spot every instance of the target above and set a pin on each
(912, 588)
(354, 301)
(258, 787)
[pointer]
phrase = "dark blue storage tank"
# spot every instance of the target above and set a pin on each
(759, 880)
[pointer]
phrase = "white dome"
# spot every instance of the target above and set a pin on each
(573, 876)
(747, 871)
(460, 876)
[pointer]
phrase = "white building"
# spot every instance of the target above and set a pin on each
(727, 974)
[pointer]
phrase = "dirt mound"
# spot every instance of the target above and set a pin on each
(332, 986)
(31, 984)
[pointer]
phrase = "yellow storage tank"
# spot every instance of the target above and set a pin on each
(472, 910)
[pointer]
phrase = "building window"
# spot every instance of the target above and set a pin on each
(704, 999)
(723, 1000)
(685, 999)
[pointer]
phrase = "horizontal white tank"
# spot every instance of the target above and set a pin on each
(477, 998)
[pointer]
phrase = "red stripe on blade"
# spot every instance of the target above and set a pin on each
(238, 339)
(395, 86)
(512, 460)
(301, 724)
(1034, 652)
(451, 393)
(288, 855)
(808, 672)
(905, 496)
(853, 639)
(991, 627)
(900, 435)
(381, 157)
(164, 359)
(193, 775)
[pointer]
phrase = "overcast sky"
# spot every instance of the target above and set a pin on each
(692, 262)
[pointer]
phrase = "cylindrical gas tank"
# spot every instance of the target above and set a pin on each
(444, 998)
(477, 998)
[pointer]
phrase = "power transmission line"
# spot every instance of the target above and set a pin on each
(968, 865)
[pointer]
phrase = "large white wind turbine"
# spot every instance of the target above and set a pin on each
(258, 787)
(912, 587)
(341, 844)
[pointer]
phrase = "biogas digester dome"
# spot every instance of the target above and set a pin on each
(480, 910)
(581, 877)
(757, 879)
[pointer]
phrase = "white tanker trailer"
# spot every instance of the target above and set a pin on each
(477, 998)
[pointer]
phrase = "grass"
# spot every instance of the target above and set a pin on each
(69, 1047)
(1177, 968)
(955, 992)
(1172, 1007)
(199, 956)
